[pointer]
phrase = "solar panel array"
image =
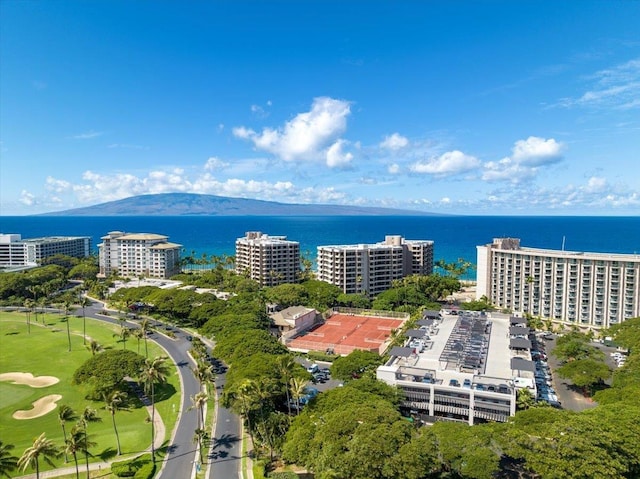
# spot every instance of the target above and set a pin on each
(468, 344)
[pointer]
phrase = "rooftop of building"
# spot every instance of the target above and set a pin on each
(459, 346)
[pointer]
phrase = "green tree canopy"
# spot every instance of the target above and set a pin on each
(104, 372)
(355, 364)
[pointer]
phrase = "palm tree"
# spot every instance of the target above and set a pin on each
(298, 387)
(77, 442)
(28, 304)
(65, 414)
(116, 401)
(204, 374)
(199, 401)
(245, 402)
(285, 365)
(67, 309)
(145, 327)
(88, 415)
(94, 346)
(154, 371)
(123, 334)
(8, 462)
(84, 302)
(42, 447)
(138, 334)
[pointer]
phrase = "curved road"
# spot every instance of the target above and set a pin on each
(181, 459)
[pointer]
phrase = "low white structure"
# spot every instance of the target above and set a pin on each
(459, 368)
(294, 318)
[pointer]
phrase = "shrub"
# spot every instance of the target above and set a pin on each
(146, 471)
(123, 469)
(283, 475)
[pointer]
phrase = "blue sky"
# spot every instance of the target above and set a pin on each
(483, 108)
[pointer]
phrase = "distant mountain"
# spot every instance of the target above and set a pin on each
(187, 204)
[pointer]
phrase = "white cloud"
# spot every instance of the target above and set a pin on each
(617, 87)
(214, 163)
(526, 159)
(88, 135)
(336, 157)
(596, 184)
(128, 146)
(27, 198)
(308, 136)
(535, 151)
(394, 142)
(448, 164)
(393, 168)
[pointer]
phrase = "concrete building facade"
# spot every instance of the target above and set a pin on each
(459, 368)
(589, 290)
(371, 268)
(138, 254)
(269, 260)
(18, 252)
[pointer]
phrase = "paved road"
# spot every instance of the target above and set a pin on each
(226, 447)
(181, 452)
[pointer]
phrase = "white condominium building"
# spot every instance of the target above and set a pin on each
(371, 268)
(590, 290)
(138, 254)
(17, 252)
(270, 260)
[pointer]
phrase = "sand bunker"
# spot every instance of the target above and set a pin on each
(29, 380)
(40, 407)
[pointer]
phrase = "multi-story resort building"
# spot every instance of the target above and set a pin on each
(17, 252)
(462, 367)
(138, 254)
(269, 260)
(589, 290)
(371, 268)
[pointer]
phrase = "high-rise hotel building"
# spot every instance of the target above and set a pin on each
(138, 254)
(269, 260)
(371, 268)
(18, 252)
(590, 290)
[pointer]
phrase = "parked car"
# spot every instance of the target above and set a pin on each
(466, 384)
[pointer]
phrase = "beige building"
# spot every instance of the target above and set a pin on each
(270, 260)
(18, 252)
(294, 318)
(138, 254)
(371, 268)
(590, 290)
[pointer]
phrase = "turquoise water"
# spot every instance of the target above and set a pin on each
(454, 236)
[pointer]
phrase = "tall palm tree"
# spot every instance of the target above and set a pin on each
(88, 415)
(286, 365)
(138, 334)
(28, 304)
(145, 327)
(123, 334)
(8, 462)
(154, 371)
(65, 414)
(84, 302)
(199, 401)
(77, 442)
(116, 401)
(94, 346)
(42, 447)
(298, 387)
(245, 402)
(67, 309)
(204, 374)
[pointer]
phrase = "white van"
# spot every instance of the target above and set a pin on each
(314, 368)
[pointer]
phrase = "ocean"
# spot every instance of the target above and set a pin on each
(454, 236)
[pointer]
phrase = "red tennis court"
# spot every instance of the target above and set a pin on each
(343, 333)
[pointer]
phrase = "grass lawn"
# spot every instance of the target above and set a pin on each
(44, 352)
